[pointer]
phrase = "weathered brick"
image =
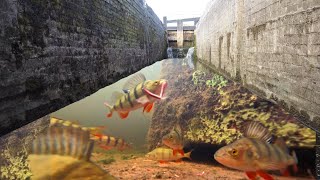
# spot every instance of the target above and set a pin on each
(52, 54)
(277, 52)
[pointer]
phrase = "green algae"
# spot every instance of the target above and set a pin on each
(221, 124)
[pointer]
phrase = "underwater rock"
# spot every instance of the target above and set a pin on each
(211, 109)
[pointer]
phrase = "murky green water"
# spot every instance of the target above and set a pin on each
(208, 107)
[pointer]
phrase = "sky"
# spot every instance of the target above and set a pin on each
(178, 9)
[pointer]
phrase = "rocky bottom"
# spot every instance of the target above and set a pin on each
(138, 167)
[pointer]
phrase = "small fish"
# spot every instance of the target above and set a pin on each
(163, 154)
(108, 142)
(174, 140)
(139, 92)
(63, 152)
(254, 154)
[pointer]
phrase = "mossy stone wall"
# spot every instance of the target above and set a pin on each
(56, 52)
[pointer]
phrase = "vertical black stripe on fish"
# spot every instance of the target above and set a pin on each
(255, 143)
(142, 86)
(116, 142)
(135, 93)
(129, 99)
(120, 103)
(108, 140)
(277, 153)
(268, 149)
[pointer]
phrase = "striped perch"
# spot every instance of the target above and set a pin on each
(65, 141)
(163, 154)
(139, 93)
(109, 142)
(255, 153)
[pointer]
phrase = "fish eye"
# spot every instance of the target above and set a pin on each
(233, 152)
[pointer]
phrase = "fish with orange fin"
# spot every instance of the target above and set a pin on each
(254, 153)
(163, 155)
(174, 140)
(108, 142)
(96, 134)
(63, 152)
(138, 93)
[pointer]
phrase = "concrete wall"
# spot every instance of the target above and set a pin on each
(271, 46)
(55, 52)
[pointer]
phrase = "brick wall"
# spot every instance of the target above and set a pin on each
(271, 46)
(55, 52)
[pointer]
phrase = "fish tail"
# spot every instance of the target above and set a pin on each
(110, 109)
(187, 155)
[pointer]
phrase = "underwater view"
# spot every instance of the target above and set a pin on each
(150, 89)
(175, 119)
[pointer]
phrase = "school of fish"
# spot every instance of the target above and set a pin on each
(257, 152)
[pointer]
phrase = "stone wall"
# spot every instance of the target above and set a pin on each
(55, 52)
(271, 46)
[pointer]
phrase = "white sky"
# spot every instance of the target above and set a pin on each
(178, 9)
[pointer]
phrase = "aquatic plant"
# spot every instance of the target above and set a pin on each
(198, 77)
(15, 165)
(217, 80)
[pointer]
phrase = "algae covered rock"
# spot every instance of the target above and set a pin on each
(211, 109)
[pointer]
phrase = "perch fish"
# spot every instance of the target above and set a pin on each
(103, 141)
(163, 155)
(254, 153)
(63, 152)
(108, 142)
(138, 92)
(174, 140)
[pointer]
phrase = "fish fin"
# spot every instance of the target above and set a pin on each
(133, 81)
(181, 152)
(115, 96)
(251, 175)
(175, 151)
(265, 175)
(148, 107)
(178, 131)
(110, 109)
(123, 115)
(281, 144)
(178, 161)
(98, 135)
(127, 91)
(143, 100)
(188, 154)
(255, 129)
